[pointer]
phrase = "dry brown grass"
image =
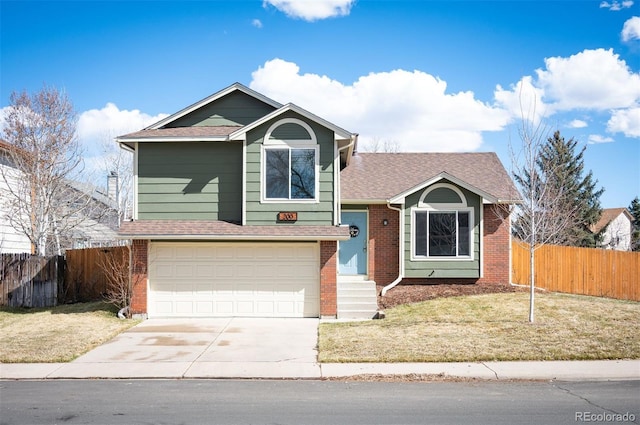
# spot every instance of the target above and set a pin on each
(57, 334)
(490, 327)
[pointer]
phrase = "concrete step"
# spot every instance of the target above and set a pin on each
(357, 291)
(353, 278)
(351, 307)
(370, 285)
(357, 314)
(357, 298)
(353, 295)
(364, 298)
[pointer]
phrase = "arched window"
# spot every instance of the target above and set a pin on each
(290, 162)
(442, 224)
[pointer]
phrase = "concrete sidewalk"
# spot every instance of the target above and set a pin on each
(525, 370)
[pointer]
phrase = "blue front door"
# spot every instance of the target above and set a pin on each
(353, 252)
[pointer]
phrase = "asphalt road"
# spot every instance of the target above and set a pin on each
(316, 402)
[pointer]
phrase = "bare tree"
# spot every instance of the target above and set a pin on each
(378, 145)
(537, 220)
(45, 156)
(114, 262)
(119, 163)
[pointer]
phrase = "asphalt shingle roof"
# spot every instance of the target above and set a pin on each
(213, 229)
(608, 214)
(383, 176)
(197, 131)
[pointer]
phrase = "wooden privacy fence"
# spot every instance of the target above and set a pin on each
(584, 271)
(87, 271)
(30, 281)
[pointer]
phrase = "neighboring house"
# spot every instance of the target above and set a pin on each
(247, 207)
(615, 226)
(94, 225)
(11, 240)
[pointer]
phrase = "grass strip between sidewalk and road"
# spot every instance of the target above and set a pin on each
(56, 334)
(489, 327)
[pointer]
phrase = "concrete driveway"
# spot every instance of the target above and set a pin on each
(204, 348)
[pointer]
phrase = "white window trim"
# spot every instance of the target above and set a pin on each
(461, 204)
(415, 257)
(269, 143)
(291, 142)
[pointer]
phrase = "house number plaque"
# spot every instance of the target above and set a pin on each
(287, 216)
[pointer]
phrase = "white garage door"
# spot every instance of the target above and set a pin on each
(234, 279)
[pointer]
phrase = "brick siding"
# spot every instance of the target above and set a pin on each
(139, 275)
(384, 240)
(328, 279)
(497, 245)
(383, 244)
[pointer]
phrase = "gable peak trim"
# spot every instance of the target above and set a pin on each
(340, 133)
(444, 176)
(212, 98)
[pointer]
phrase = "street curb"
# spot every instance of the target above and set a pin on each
(588, 370)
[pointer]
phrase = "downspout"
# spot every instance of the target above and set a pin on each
(354, 139)
(400, 252)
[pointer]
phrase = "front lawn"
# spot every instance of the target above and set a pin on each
(56, 334)
(490, 327)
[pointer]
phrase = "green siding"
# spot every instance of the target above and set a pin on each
(290, 131)
(320, 213)
(442, 195)
(236, 108)
(458, 268)
(197, 181)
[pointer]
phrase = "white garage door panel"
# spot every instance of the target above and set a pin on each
(234, 279)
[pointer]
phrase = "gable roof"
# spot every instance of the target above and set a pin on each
(211, 99)
(389, 177)
(608, 215)
(161, 131)
(340, 133)
(174, 134)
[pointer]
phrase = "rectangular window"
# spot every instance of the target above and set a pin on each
(442, 234)
(290, 173)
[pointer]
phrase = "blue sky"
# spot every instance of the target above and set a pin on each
(424, 75)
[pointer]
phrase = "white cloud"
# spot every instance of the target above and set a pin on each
(631, 29)
(625, 121)
(595, 139)
(97, 129)
(591, 79)
(596, 80)
(312, 10)
(578, 124)
(257, 23)
(523, 100)
(412, 108)
(616, 5)
(99, 126)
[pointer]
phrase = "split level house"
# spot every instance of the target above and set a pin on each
(248, 207)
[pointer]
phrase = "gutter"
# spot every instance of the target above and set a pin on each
(400, 253)
(354, 139)
(230, 237)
